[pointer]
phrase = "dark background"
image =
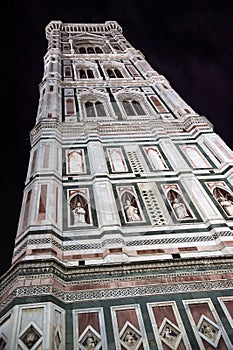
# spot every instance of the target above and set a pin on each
(189, 42)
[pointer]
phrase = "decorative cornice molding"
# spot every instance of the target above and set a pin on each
(75, 28)
(112, 129)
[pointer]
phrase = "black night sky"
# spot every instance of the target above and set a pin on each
(189, 42)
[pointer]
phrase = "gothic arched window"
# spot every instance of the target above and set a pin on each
(67, 72)
(133, 107)
(70, 106)
(98, 50)
(90, 49)
(114, 73)
(85, 73)
(82, 50)
(95, 109)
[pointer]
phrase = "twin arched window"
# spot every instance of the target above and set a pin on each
(95, 109)
(85, 73)
(132, 107)
(114, 73)
(94, 105)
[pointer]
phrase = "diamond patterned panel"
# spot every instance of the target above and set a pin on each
(170, 334)
(209, 331)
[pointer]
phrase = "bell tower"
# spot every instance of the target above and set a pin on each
(125, 236)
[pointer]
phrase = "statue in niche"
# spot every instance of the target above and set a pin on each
(227, 204)
(180, 209)
(131, 212)
(79, 214)
(225, 199)
(178, 204)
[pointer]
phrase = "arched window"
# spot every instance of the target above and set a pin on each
(70, 106)
(128, 108)
(95, 109)
(90, 50)
(67, 72)
(133, 107)
(90, 109)
(98, 50)
(82, 50)
(90, 73)
(85, 73)
(138, 108)
(100, 109)
(114, 73)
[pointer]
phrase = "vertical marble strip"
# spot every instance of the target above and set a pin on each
(167, 326)
(227, 306)
(89, 329)
(206, 324)
(128, 327)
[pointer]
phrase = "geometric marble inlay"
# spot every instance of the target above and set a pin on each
(57, 340)
(170, 334)
(130, 337)
(90, 339)
(30, 337)
(2, 343)
(209, 331)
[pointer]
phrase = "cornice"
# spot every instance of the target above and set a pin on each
(146, 127)
(173, 267)
(113, 83)
(75, 28)
(90, 283)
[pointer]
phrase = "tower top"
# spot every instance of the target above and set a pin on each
(72, 28)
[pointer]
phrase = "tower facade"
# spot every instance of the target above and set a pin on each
(125, 235)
